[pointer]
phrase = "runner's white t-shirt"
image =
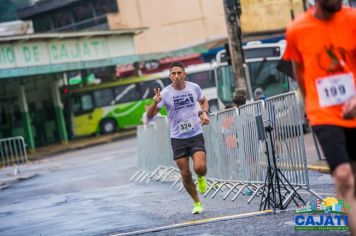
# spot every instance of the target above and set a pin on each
(183, 110)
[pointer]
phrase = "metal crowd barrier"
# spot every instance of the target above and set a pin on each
(13, 153)
(286, 116)
(237, 159)
(155, 156)
(319, 152)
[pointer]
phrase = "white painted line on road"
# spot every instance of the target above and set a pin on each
(327, 194)
(196, 222)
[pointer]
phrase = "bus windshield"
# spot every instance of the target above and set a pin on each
(265, 76)
(261, 62)
(226, 83)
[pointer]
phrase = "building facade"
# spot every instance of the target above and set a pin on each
(172, 25)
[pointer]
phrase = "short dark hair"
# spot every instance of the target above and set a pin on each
(177, 64)
(239, 100)
(228, 106)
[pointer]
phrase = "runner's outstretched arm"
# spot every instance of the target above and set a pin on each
(153, 109)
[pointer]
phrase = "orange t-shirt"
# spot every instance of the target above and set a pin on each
(325, 48)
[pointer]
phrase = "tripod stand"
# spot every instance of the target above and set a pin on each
(275, 180)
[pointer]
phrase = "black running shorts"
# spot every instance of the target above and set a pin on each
(187, 147)
(338, 144)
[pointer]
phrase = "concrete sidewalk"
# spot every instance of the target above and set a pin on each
(47, 151)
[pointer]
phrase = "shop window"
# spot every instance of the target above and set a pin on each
(62, 18)
(83, 12)
(3, 117)
(48, 109)
(102, 7)
(42, 24)
(17, 117)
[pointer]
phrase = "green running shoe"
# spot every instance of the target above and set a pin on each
(201, 184)
(198, 208)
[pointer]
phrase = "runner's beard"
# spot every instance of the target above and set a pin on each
(332, 8)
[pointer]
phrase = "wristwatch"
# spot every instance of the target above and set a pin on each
(201, 112)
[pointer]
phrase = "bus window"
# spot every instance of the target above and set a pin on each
(87, 102)
(205, 79)
(103, 97)
(264, 75)
(76, 106)
(82, 103)
(147, 88)
(226, 83)
(126, 93)
(166, 81)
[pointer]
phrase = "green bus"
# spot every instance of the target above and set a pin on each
(108, 107)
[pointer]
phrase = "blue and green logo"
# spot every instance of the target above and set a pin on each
(328, 214)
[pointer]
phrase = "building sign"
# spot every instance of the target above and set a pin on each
(44, 52)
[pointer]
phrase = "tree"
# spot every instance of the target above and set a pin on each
(232, 16)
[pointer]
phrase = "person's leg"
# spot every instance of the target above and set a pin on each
(353, 167)
(352, 215)
(183, 165)
(345, 189)
(181, 154)
(198, 153)
(188, 183)
(350, 141)
(199, 160)
(333, 142)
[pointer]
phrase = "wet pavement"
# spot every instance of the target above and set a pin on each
(88, 192)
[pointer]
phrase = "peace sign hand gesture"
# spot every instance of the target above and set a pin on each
(157, 97)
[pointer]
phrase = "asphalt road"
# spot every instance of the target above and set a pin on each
(88, 192)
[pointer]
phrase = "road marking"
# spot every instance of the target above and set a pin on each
(322, 169)
(327, 194)
(196, 222)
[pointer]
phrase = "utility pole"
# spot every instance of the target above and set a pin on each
(232, 16)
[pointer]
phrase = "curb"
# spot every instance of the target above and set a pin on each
(322, 169)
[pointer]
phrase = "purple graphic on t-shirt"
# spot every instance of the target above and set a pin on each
(182, 101)
(183, 110)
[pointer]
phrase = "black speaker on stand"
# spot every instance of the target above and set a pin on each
(275, 181)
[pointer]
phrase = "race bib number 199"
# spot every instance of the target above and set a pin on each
(335, 90)
(185, 126)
